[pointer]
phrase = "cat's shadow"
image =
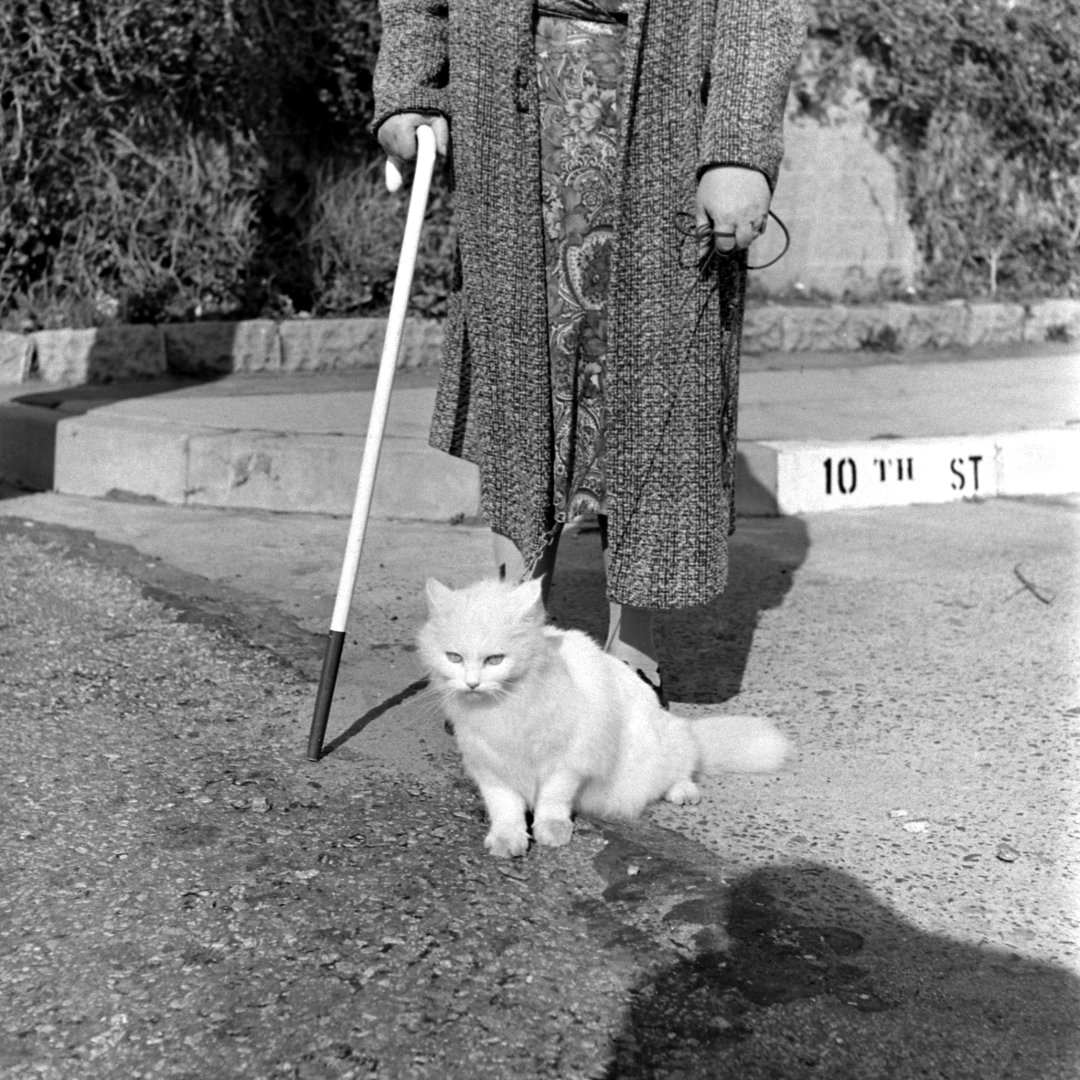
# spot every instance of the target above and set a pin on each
(704, 650)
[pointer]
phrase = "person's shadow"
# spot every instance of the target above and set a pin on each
(703, 650)
(799, 971)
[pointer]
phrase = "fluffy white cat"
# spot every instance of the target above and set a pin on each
(547, 722)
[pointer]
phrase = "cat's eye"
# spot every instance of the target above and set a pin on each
(454, 657)
(494, 659)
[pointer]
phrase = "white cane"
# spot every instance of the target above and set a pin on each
(365, 484)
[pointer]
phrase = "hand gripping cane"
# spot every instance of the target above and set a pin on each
(395, 324)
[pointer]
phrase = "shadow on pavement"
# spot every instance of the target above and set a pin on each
(374, 713)
(704, 651)
(800, 971)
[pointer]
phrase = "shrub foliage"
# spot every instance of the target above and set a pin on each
(980, 99)
(211, 158)
(159, 160)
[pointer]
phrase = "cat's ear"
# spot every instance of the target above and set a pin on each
(437, 594)
(530, 594)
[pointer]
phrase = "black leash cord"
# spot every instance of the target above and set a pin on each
(713, 256)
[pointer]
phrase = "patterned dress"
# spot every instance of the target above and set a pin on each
(579, 60)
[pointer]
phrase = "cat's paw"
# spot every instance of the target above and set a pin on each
(507, 843)
(683, 793)
(553, 832)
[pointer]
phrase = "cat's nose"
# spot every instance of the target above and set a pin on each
(472, 684)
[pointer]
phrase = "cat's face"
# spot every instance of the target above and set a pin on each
(479, 641)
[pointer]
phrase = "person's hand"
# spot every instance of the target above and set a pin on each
(397, 136)
(732, 208)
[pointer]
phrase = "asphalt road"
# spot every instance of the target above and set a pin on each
(184, 896)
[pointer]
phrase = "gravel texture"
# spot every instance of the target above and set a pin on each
(184, 896)
(179, 901)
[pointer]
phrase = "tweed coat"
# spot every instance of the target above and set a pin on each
(705, 82)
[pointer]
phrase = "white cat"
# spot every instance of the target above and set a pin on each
(547, 721)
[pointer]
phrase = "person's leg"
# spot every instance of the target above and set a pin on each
(630, 630)
(630, 638)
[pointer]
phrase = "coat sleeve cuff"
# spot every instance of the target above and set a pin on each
(429, 102)
(770, 178)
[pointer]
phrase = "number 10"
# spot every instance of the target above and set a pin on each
(846, 476)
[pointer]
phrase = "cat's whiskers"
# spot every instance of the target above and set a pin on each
(430, 701)
(438, 696)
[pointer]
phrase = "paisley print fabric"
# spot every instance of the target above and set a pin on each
(578, 71)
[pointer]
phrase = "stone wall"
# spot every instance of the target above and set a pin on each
(839, 195)
(116, 353)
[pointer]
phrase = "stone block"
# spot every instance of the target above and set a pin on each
(218, 348)
(928, 326)
(818, 329)
(99, 355)
(993, 324)
(343, 344)
(63, 356)
(99, 453)
(15, 353)
(317, 474)
(426, 484)
(898, 327)
(421, 343)
(763, 329)
(875, 327)
(330, 344)
(1053, 321)
(242, 468)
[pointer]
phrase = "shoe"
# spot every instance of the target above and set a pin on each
(656, 687)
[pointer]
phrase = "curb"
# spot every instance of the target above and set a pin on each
(786, 477)
(101, 455)
(113, 353)
(252, 470)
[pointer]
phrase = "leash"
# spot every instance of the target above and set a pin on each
(710, 258)
(711, 263)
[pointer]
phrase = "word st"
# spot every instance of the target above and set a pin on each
(965, 473)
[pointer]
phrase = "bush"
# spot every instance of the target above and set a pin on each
(157, 160)
(981, 99)
(355, 237)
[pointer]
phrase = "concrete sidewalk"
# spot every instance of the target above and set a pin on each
(817, 432)
(901, 901)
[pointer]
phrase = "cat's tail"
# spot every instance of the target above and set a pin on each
(739, 744)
